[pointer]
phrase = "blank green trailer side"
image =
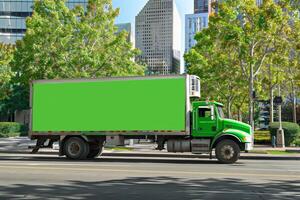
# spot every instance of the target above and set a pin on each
(132, 105)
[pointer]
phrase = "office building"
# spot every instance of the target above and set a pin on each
(158, 36)
(201, 6)
(13, 14)
(194, 23)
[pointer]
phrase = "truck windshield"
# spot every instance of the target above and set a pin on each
(220, 110)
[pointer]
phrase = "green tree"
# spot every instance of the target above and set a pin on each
(292, 69)
(63, 43)
(248, 33)
(218, 70)
(6, 56)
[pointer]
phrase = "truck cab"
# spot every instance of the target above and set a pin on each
(211, 131)
(228, 137)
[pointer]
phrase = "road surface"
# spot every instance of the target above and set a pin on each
(119, 177)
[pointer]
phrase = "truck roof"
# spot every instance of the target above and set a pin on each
(118, 78)
(219, 104)
(204, 103)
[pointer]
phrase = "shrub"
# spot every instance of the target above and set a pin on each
(297, 142)
(291, 131)
(12, 129)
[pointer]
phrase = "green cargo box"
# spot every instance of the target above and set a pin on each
(148, 105)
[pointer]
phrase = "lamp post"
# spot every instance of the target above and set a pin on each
(280, 132)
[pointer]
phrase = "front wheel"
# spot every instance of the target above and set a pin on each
(227, 151)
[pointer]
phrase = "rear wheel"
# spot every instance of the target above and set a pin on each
(227, 151)
(96, 150)
(76, 148)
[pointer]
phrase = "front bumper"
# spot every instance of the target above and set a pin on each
(249, 142)
(248, 146)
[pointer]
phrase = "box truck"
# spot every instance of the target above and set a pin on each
(81, 113)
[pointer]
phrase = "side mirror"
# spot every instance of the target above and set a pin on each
(212, 113)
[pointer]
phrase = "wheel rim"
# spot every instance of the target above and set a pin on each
(74, 149)
(227, 152)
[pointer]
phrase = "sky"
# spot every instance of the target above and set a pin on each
(130, 8)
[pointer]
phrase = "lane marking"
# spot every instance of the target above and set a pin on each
(121, 165)
(269, 170)
(276, 167)
(66, 164)
(88, 164)
(151, 171)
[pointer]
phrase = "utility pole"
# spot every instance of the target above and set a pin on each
(280, 131)
(271, 110)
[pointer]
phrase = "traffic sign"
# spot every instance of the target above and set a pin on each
(278, 100)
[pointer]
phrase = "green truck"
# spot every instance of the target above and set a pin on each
(80, 114)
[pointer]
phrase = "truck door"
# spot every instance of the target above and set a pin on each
(206, 121)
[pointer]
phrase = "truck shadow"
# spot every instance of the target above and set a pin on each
(159, 187)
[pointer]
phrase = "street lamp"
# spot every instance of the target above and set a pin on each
(280, 132)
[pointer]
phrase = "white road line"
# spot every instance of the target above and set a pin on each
(153, 171)
(106, 165)
(57, 164)
(100, 164)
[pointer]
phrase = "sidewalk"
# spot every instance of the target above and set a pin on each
(269, 148)
(20, 146)
(16, 143)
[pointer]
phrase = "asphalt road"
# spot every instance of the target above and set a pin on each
(111, 177)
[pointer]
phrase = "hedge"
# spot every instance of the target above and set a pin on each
(291, 131)
(12, 129)
(297, 142)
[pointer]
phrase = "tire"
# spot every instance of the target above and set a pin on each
(227, 151)
(95, 150)
(76, 148)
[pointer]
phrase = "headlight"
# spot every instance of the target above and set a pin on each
(247, 138)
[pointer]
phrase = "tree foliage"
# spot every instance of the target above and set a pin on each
(242, 39)
(6, 56)
(73, 43)
(218, 70)
(63, 43)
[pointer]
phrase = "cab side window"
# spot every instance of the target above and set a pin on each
(204, 112)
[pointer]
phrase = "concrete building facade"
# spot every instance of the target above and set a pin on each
(158, 36)
(13, 14)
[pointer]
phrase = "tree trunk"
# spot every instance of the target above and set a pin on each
(239, 114)
(229, 116)
(294, 104)
(271, 105)
(251, 87)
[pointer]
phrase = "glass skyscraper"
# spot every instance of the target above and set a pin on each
(13, 14)
(201, 6)
(194, 23)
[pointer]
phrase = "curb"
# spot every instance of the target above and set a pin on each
(167, 155)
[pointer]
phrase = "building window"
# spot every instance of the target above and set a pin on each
(201, 6)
